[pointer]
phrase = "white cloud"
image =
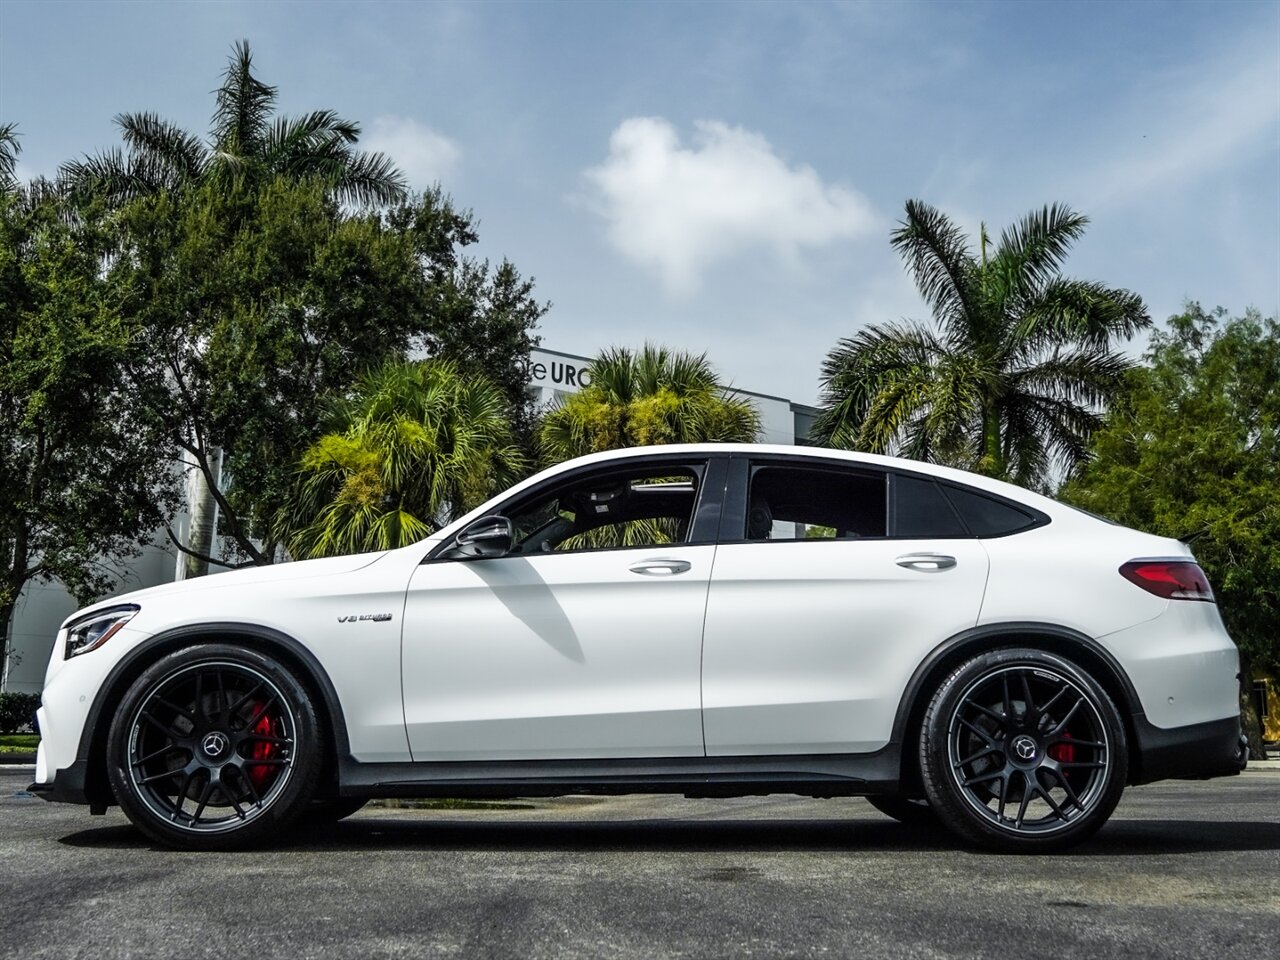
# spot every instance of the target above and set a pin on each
(423, 155)
(677, 210)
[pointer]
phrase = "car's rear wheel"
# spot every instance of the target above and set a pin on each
(215, 747)
(1022, 751)
(913, 811)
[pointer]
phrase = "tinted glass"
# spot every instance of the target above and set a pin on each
(921, 510)
(798, 503)
(645, 508)
(987, 517)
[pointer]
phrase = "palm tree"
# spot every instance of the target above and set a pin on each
(637, 399)
(9, 150)
(415, 446)
(1011, 380)
(247, 144)
(248, 147)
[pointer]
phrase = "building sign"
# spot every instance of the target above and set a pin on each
(558, 371)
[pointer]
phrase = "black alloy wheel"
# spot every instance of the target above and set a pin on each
(1022, 751)
(215, 747)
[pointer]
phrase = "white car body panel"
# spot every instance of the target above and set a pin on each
(824, 671)
(807, 646)
(555, 656)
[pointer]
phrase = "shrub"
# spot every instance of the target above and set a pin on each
(18, 712)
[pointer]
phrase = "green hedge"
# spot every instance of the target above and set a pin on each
(18, 712)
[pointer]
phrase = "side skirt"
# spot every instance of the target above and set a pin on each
(821, 775)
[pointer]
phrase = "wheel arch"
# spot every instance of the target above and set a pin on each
(1051, 638)
(290, 651)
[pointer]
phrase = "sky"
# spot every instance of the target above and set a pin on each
(724, 177)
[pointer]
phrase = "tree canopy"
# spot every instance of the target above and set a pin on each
(1012, 377)
(83, 475)
(1192, 450)
(650, 397)
(415, 446)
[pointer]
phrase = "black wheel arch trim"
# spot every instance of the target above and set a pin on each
(90, 763)
(988, 636)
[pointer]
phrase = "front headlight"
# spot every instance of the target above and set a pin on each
(91, 632)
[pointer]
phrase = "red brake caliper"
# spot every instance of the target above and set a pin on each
(1064, 752)
(261, 750)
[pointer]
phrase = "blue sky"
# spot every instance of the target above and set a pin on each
(724, 177)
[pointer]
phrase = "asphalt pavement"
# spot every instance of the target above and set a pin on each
(1182, 870)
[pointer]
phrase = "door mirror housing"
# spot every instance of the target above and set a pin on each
(486, 537)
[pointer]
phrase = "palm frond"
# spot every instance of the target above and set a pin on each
(10, 147)
(938, 257)
(163, 145)
(1081, 311)
(243, 106)
(1031, 252)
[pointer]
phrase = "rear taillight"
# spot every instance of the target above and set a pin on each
(1171, 579)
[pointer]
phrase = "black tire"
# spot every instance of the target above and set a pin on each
(912, 811)
(1022, 752)
(215, 747)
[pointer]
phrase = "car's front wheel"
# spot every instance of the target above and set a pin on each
(1022, 751)
(215, 747)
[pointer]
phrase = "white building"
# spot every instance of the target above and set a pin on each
(42, 607)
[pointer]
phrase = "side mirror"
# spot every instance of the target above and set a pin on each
(486, 537)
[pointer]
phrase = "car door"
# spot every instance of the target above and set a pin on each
(816, 616)
(585, 641)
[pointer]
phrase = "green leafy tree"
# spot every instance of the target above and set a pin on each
(651, 397)
(415, 446)
(1193, 451)
(265, 269)
(82, 476)
(1011, 378)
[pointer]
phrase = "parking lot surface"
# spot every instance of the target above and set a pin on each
(1182, 870)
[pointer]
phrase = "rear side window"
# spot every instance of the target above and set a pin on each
(802, 503)
(922, 511)
(986, 516)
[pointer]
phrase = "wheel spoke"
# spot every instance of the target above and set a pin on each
(1008, 702)
(1082, 765)
(248, 782)
(985, 778)
(1004, 796)
(181, 797)
(174, 707)
(235, 708)
(167, 748)
(199, 704)
(1053, 804)
(1067, 788)
(984, 752)
(1030, 706)
(169, 732)
(1044, 710)
(986, 711)
(1062, 724)
(1026, 800)
(262, 709)
(205, 794)
(156, 777)
(979, 731)
(222, 698)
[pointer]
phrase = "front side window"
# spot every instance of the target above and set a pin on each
(640, 507)
(807, 503)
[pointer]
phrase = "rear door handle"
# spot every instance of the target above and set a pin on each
(660, 567)
(926, 561)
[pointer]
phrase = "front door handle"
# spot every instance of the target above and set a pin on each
(926, 561)
(660, 567)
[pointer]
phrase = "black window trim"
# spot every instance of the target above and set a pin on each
(710, 469)
(742, 466)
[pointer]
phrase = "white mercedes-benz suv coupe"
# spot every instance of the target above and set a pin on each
(711, 620)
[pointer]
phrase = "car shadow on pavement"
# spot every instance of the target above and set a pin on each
(372, 832)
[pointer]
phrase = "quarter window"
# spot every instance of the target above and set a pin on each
(986, 516)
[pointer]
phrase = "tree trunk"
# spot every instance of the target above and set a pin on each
(6, 621)
(1251, 724)
(204, 516)
(992, 462)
